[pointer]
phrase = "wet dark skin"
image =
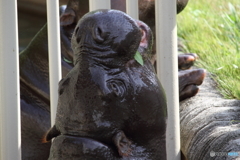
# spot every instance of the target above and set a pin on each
(35, 117)
(108, 96)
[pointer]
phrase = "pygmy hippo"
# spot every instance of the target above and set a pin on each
(35, 117)
(110, 106)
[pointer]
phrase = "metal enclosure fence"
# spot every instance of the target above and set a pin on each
(166, 40)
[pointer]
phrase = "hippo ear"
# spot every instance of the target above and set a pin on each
(67, 18)
(98, 34)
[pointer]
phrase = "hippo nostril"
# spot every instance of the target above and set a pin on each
(98, 35)
(144, 36)
(99, 31)
(78, 39)
(76, 34)
(76, 31)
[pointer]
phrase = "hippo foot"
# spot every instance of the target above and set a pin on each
(189, 80)
(66, 147)
(123, 144)
(185, 61)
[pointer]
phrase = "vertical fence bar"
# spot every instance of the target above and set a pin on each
(99, 4)
(167, 67)
(10, 126)
(54, 54)
(132, 8)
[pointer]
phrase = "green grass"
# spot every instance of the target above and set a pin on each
(212, 30)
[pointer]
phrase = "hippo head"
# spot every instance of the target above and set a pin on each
(108, 42)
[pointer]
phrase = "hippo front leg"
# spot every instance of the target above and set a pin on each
(65, 147)
(123, 144)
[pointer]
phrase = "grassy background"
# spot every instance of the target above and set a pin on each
(212, 30)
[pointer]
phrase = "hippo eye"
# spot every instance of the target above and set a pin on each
(117, 87)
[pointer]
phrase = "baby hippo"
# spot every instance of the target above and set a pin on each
(110, 106)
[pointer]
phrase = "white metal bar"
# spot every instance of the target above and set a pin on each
(10, 129)
(54, 54)
(167, 68)
(132, 8)
(99, 4)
